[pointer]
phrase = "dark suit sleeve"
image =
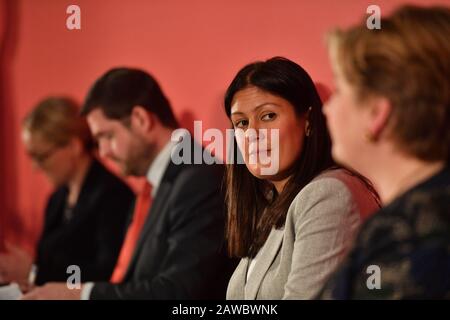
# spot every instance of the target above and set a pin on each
(194, 259)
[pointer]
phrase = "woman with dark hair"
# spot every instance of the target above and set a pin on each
(291, 226)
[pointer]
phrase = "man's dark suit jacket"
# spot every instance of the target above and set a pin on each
(92, 237)
(181, 250)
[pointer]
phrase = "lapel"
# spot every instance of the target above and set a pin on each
(266, 256)
(89, 192)
(85, 202)
(236, 286)
(157, 209)
(54, 211)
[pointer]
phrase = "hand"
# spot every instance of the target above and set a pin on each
(15, 265)
(53, 291)
(26, 287)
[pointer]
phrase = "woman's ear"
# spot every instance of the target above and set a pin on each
(77, 146)
(141, 120)
(380, 109)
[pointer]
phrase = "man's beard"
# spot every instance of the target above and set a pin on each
(139, 161)
(130, 169)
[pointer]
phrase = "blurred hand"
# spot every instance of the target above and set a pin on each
(26, 287)
(15, 265)
(53, 291)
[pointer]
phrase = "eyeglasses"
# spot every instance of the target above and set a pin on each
(40, 158)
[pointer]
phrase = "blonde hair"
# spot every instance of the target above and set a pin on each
(57, 120)
(408, 62)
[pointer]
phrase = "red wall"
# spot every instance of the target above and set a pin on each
(193, 47)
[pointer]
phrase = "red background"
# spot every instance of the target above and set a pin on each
(193, 47)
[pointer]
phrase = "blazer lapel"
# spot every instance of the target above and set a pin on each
(236, 285)
(156, 209)
(89, 192)
(266, 256)
(54, 214)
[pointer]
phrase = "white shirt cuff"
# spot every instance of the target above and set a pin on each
(32, 274)
(86, 291)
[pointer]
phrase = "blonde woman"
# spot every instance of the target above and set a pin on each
(85, 216)
(390, 119)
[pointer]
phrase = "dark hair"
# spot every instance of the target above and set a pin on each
(251, 214)
(121, 89)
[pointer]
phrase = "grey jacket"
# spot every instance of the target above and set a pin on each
(321, 223)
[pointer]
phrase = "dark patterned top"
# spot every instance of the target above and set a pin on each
(403, 251)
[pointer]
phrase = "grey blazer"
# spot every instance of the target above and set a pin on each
(321, 222)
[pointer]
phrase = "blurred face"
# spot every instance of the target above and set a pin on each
(347, 120)
(58, 163)
(120, 143)
(253, 109)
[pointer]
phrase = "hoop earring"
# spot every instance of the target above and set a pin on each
(307, 129)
